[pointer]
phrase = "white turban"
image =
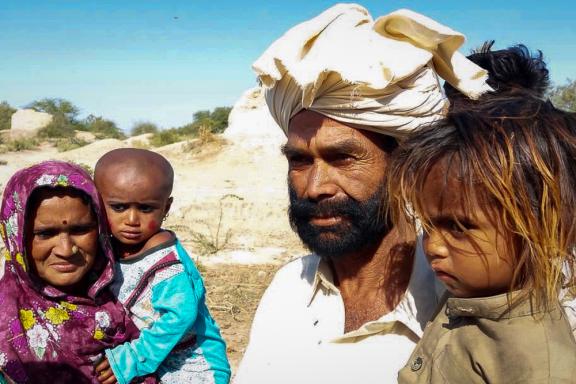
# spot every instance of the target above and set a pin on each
(380, 76)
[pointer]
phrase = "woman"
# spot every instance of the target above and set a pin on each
(57, 314)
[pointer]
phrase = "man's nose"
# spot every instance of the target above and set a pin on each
(435, 245)
(132, 217)
(320, 184)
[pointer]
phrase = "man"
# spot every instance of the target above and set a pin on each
(344, 89)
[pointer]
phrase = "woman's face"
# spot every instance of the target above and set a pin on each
(62, 240)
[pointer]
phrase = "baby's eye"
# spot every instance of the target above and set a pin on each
(146, 208)
(118, 207)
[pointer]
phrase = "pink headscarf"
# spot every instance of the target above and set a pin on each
(48, 336)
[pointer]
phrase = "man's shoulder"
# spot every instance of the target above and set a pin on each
(303, 268)
(296, 278)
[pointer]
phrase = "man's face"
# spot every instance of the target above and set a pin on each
(336, 182)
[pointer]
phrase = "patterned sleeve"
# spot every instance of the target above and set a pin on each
(173, 296)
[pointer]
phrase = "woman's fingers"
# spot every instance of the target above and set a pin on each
(103, 365)
(110, 380)
(105, 373)
(107, 376)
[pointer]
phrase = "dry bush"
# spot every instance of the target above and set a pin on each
(233, 294)
(214, 238)
(141, 144)
(69, 143)
(18, 145)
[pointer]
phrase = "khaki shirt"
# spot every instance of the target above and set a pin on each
(484, 341)
(298, 331)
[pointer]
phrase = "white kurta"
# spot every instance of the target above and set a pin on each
(298, 330)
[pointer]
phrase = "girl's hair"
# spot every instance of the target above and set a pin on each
(519, 153)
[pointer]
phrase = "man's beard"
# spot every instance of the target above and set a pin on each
(363, 223)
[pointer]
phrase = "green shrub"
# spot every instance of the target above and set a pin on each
(564, 96)
(56, 107)
(103, 128)
(220, 118)
(22, 144)
(143, 127)
(165, 137)
(59, 127)
(6, 112)
(215, 122)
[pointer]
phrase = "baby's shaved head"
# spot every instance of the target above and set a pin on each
(133, 162)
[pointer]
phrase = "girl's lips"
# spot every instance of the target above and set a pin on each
(442, 275)
(130, 235)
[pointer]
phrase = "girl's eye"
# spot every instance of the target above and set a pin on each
(456, 227)
(459, 228)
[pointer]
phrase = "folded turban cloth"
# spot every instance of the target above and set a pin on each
(380, 76)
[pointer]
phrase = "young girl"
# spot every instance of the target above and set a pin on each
(157, 281)
(495, 192)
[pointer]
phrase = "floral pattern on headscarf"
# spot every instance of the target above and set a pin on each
(48, 335)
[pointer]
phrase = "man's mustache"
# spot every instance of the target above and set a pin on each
(305, 209)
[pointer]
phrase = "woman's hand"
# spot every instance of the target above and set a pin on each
(105, 373)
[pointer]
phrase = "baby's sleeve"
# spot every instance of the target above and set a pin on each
(174, 298)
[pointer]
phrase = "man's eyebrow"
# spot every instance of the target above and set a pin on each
(345, 146)
(288, 150)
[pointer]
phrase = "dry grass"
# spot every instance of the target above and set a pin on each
(233, 294)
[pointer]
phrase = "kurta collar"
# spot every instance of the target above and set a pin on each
(404, 315)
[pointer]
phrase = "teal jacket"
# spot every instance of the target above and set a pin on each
(184, 342)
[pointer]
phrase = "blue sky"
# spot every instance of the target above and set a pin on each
(160, 61)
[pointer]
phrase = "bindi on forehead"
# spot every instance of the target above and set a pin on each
(65, 222)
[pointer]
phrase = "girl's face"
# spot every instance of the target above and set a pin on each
(62, 239)
(467, 245)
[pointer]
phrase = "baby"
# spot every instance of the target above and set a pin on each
(494, 189)
(156, 280)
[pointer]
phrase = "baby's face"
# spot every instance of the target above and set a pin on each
(466, 246)
(135, 206)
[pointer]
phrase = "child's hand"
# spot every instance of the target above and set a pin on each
(105, 373)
